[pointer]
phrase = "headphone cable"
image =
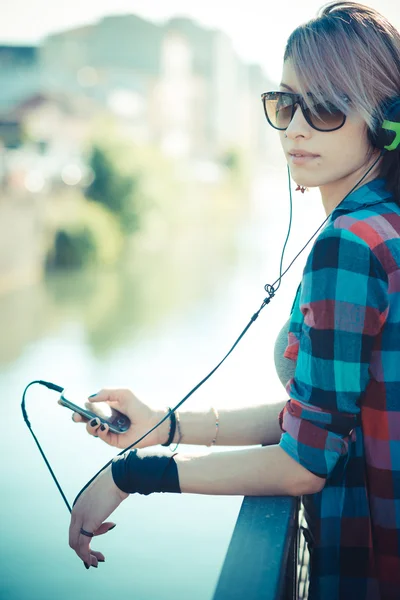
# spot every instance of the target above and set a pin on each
(270, 289)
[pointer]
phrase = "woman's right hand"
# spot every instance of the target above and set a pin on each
(142, 418)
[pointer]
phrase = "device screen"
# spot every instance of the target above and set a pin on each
(75, 401)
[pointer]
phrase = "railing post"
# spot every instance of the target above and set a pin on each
(291, 583)
(262, 549)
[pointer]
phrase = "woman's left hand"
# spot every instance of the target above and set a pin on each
(93, 506)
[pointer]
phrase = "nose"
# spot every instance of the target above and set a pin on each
(298, 126)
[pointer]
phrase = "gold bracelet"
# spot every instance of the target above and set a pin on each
(178, 425)
(214, 441)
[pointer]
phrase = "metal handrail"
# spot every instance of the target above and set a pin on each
(262, 558)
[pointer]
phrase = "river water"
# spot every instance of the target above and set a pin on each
(158, 329)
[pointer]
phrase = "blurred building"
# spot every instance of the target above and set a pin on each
(20, 74)
(205, 88)
(41, 152)
(115, 62)
(179, 85)
(43, 138)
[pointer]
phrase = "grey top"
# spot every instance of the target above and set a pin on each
(284, 366)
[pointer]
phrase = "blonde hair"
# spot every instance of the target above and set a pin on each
(349, 55)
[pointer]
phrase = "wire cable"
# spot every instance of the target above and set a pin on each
(270, 290)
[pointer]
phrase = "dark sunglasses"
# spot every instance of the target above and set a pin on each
(279, 108)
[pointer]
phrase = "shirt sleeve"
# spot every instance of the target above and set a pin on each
(344, 301)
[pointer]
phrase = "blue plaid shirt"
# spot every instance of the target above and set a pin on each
(342, 419)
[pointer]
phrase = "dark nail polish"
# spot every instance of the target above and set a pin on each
(95, 566)
(93, 423)
(112, 527)
(101, 559)
(93, 395)
(102, 427)
(86, 565)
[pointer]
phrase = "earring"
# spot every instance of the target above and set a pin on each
(302, 189)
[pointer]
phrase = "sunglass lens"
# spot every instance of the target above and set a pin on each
(327, 117)
(279, 109)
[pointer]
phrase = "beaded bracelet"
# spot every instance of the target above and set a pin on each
(172, 427)
(178, 423)
(216, 426)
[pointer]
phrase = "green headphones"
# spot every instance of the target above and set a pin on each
(387, 133)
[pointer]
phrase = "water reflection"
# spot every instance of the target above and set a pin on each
(113, 306)
(158, 325)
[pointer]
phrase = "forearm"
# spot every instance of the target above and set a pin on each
(245, 426)
(267, 471)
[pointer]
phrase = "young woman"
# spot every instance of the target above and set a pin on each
(337, 439)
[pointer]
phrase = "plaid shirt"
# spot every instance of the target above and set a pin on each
(342, 419)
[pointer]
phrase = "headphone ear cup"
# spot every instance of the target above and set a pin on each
(381, 137)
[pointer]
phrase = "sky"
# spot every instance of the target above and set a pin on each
(258, 29)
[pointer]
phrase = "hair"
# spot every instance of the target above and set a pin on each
(349, 55)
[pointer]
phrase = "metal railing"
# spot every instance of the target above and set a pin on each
(267, 558)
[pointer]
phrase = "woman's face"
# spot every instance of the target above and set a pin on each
(339, 154)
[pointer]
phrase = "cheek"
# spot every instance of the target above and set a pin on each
(348, 147)
(355, 139)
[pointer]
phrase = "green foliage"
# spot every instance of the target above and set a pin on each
(132, 182)
(237, 163)
(231, 160)
(131, 179)
(83, 234)
(112, 188)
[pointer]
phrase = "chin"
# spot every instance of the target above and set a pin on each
(313, 180)
(305, 179)
(306, 183)
(308, 180)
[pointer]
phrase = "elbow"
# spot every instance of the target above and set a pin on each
(311, 484)
(300, 481)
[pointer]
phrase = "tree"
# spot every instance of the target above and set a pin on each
(112, 188)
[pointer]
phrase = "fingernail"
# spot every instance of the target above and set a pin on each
(86, 565)
(101, 559)
(93, 422)
(92, 396)
(112, 527)
(95, 566)
(102, 427)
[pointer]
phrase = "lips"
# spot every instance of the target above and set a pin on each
(302, 153)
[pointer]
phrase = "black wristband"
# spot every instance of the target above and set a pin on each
(134, 472)
(172, 428)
